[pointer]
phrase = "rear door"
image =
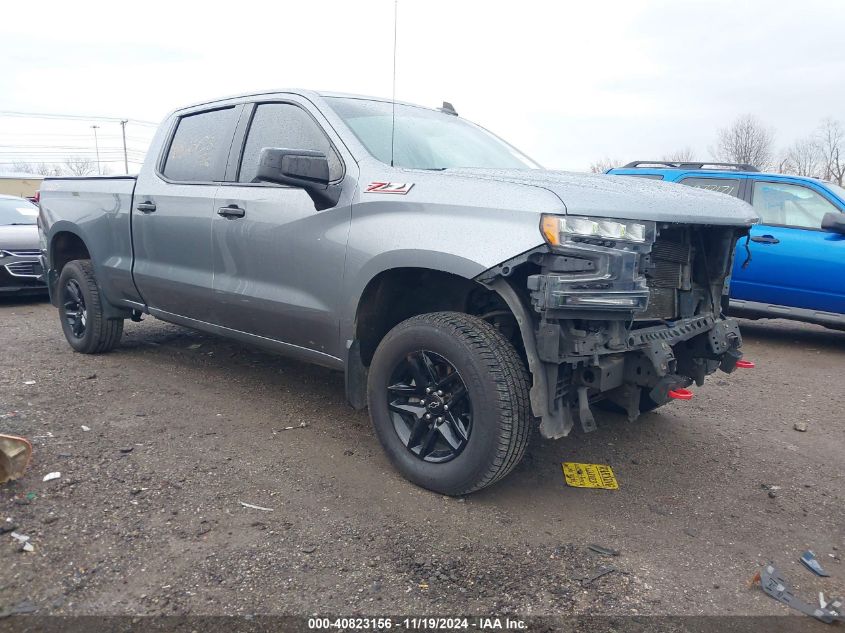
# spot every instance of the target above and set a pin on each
(793, 262)
(278, 262)
(174, 207)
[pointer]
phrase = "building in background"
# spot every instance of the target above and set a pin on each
(20, 184)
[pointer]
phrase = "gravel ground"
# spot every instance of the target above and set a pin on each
(147, 516)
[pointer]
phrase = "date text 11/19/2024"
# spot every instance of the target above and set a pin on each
(418, 623)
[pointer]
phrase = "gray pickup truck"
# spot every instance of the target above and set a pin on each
(464, 291)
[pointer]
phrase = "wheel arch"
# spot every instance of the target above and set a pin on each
(395, 294)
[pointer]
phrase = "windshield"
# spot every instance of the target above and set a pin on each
(17, 211)
(425, 139)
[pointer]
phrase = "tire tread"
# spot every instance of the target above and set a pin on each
(510, 376)
(106, 333)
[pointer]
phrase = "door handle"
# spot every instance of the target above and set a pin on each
(765, 239)
(146, 207)
(232, 211)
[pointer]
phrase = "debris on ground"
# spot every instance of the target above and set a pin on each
(800, 426)
(86, 428)
(15, 453)
(255, 507)
(23, 541)
(29, 382)
(775, 586)
(301, 425)
(599, 573)
(604, 551)
(811, 562)
(580, 475)
(309, 549)
(52, 476)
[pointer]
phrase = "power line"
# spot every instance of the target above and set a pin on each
(74, 117)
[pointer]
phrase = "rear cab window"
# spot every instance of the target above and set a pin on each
(729, 186)
(200, 146)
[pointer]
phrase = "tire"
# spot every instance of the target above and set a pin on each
(85, 327)
(484, 435)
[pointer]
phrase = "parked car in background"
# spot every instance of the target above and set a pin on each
(793, 265)
(20, 265)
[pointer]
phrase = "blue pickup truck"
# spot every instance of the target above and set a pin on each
(793, 265)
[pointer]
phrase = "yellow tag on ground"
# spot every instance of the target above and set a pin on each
(589, 476)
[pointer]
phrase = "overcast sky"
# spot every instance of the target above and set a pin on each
(568, 83)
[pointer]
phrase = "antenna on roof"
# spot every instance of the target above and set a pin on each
(393, 116)
(448, 108)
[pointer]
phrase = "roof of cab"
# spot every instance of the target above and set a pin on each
(298, 91)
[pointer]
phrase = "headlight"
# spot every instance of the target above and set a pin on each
(557, 229)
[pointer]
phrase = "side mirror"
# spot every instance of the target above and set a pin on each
(834, 222)
(302, 168)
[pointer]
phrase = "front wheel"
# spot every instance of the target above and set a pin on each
(448, 398)
(81, 310)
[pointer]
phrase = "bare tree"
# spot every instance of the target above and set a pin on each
(40, 169)
(683, 155)
(23, 168)
(602, 165)
(48, 169)
(746, 141)
(80, 166)
(831, 140)
(803, 158)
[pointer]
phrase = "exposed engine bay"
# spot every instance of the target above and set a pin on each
(626, 325)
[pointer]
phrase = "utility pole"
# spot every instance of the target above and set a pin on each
(123, 123)
(97, 148)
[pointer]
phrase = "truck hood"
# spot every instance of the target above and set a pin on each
(626, 197)
(19, 237)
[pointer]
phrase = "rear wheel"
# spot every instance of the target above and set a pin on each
(81, 310)
(448, 397)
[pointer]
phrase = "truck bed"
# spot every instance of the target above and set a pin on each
(99, 209)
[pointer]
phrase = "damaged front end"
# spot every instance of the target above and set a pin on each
(624, 313)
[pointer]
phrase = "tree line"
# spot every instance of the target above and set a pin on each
(73, 166)
(820, 154)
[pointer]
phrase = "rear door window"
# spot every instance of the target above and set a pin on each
(285, 126)
(200, 146)
(729, 186)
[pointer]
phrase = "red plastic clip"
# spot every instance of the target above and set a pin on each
(745, 364)
(680, 394)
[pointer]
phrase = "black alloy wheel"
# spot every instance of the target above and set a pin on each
(448, 397)
(75, 311)
(82, 310)
(430, 407)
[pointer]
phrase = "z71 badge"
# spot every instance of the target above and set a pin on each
(389, 187)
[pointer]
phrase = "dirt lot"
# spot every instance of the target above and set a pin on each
(146, 517)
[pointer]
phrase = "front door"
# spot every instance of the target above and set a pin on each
(278, 262)
(793, 262)
(174, 207)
